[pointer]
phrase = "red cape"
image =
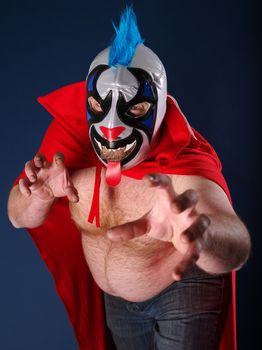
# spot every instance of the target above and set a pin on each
(180, 150)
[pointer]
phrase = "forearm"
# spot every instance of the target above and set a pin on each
(25, 211)
(226, 245)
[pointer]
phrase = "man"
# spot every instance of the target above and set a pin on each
(166, 236)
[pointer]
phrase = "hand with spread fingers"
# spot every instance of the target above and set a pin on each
(31, 200)
(47, 180)
(172, 218)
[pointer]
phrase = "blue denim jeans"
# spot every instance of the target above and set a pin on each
(188, 315)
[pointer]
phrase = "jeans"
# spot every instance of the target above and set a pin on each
(187, 315)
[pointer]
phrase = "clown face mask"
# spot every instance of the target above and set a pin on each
(125, 107)
(121, 110)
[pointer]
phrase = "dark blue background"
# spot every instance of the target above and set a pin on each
(211, 53)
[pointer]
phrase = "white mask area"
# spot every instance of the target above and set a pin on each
(117, 80)
(126, 99)
(125, 106)
(121, 111)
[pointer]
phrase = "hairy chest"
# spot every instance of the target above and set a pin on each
(126, 202)
(136, 269)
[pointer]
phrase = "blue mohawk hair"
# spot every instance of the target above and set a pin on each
(127, 38)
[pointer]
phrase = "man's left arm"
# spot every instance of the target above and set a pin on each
(225, 244)
(195, 215)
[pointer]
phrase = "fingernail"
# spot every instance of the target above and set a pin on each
(110, 234)
(176, 276)
(184, 238)
(207, 221)
(75, 199)
(152, 177)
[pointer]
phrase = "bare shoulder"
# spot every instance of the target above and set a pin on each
(212, 197)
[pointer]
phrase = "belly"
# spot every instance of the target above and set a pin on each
(135, 270)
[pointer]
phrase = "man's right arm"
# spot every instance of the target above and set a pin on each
(31, 200)
(29, 211)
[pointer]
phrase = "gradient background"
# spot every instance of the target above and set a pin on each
(211, 51)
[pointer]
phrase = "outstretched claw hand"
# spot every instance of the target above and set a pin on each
(47, 180)
(172, 218)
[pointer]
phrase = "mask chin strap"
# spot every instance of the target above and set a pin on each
(113, 177)
(94, 213)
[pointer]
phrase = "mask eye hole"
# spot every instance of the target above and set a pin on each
(94, 105)
(139, 110)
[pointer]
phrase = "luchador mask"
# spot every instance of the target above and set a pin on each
(126, 104)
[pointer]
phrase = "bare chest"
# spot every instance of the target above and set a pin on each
(126, 202)
(137, 269)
